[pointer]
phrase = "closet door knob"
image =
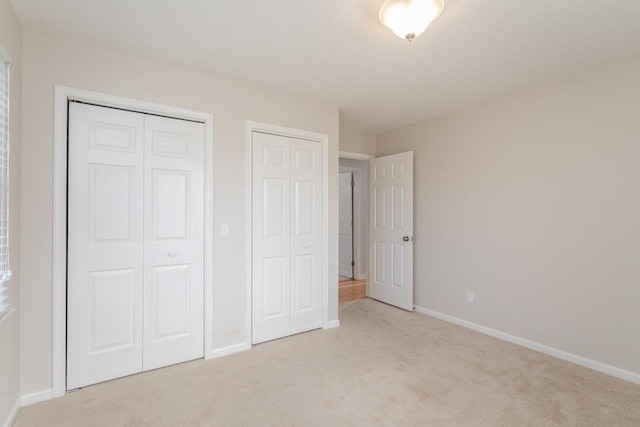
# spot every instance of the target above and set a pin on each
(171, 254)
(305, 246)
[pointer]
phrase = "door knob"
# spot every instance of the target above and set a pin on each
(171, 254)
(407, 239)
(305, 246)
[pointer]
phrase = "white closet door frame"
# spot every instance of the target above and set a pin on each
(291, 133)
(61, 97)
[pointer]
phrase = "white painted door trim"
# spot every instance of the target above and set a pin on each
(292, 133)
(355, 156)
(61, 96)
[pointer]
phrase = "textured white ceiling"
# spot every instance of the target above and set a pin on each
(336, 51)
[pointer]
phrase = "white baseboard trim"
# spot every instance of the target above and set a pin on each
(11, 417)
(332, 324)
(38, 396)
(225, 351)
(623, 374)
(362, 277)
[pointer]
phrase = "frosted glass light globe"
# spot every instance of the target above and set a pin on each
(409, 18)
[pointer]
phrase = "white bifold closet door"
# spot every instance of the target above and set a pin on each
(135, 243)
(287, 236)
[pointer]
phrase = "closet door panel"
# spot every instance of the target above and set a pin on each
(306, 235)
(105, 244)
(174, 242)
(271, 237)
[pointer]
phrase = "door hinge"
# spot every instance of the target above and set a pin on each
(353, 183)
(353, 263)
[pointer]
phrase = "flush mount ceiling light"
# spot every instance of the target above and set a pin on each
(409, 18)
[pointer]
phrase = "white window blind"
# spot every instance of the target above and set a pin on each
(5, 270)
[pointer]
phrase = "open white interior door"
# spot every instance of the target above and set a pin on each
(391, 230)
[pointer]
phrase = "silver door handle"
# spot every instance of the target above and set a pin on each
(171, 254)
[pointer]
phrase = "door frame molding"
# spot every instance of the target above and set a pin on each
(60, 122)
(252, 126)
(354, 156)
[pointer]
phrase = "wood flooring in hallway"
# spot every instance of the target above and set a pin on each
(351, 290)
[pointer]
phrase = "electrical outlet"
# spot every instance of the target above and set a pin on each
(469, 296)
(224, 230)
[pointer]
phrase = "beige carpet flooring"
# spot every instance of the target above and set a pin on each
(382, 367)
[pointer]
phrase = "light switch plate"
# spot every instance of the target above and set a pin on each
(224, 230)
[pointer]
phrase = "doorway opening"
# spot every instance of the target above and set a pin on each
(382, 220)
(353, 228)
(346, 266)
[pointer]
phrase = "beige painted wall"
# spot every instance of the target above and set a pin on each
(533, 202)
(357, 142)
(50, 60)
(11, 41)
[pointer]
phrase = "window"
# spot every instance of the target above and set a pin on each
(5, 270)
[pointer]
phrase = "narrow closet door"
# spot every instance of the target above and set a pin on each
(271, 237)
(105, 244)
(306, 235)
(174, 241)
